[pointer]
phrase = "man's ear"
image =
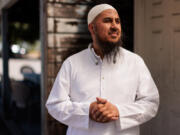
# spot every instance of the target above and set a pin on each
(91, 28)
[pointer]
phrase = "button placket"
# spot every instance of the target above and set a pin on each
(102, 80)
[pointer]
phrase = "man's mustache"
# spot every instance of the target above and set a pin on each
(114, 30)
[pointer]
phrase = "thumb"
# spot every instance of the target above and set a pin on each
(101, 100)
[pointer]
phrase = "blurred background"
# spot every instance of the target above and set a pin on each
(20, 69)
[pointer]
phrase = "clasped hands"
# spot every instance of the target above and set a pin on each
(103, 111)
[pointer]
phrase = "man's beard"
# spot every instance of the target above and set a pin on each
(109, 49)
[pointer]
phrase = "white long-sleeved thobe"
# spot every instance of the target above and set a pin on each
(84, 76)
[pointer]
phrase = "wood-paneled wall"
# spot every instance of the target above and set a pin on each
(67, 33)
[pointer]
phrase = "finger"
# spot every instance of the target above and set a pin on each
(102, 115)
(100, 106)
(102, 109)
(114, 118)
(94, 109)
(93, 113)
(97, 114)
(105, 119)
(111, 116)
(101, 100)
(94, 117)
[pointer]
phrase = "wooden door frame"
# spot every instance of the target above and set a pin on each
(139, 28)
(43, 40)
(5, 4)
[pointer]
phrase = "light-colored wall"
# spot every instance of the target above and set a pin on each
(157, 39)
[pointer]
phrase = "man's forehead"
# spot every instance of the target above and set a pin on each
(108, 13)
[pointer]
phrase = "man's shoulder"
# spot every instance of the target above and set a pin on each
(77, 56)
(129, 54)
(80, 54)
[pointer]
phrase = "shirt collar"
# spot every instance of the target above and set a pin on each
(95, 57)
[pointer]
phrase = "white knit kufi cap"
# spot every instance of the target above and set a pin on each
(96, 10)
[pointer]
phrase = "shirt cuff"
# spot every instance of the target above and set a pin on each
(118, 122)
(85, 118)
(127, 119)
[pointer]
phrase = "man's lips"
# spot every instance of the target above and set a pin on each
(114, 34)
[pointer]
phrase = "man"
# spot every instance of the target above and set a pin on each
(105, 89)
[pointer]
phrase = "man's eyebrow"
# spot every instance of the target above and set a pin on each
(118, 19)
(111, 18)
(106, 18)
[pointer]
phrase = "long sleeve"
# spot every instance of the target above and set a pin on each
(146, 102)
(59, 104)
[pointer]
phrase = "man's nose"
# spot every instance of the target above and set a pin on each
(114, 25)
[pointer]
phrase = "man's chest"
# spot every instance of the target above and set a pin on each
(118, 84)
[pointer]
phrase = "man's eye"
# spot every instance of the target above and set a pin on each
(117, 21)
(107, 20)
